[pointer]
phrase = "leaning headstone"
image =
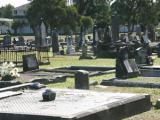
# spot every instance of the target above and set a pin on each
(127, 69)
(30, 62)
(82, 79)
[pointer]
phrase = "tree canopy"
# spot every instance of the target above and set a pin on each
(6, 11)
(132, 12)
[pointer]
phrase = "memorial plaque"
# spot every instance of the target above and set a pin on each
(30, 62)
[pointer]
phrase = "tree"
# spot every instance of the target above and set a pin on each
(99, 10)
(6, 11)
(132, 12)
(15, 26)
(55, 15)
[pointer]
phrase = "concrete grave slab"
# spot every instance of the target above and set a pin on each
(93, 70)
(150, 71)
(129, 83)
(73, 105)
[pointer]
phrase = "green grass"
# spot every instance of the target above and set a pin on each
(62, 61)
(74, 61)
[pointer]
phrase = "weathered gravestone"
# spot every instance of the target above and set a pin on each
(82, 79)
(30, 62)
(143, 56)
(21, 41)
(70, 47)
(44, 40)
(6, 41)
(126, 68)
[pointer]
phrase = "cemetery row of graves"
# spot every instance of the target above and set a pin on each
(64, 84)
(66, 80)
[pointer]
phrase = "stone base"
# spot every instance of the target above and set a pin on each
(73, 105)
(128, 83)
(9, 83)
(86, 57)
(150, 71)
(93, 70)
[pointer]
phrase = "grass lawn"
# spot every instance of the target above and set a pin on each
(61, 61)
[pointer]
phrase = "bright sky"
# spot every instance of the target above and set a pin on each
(15, 3)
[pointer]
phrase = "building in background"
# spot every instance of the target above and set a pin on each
(19, 14)
(5, 25)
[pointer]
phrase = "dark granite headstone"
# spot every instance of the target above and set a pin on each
(7, 41)
(126, 68)
(21, 41)
(82, 79)
(30, 62)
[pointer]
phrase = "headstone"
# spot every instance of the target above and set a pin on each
(141, 56)
(48, 41)
(84, 50)
(43, 34)
(95, 36)
(30, 62)
(21, 41)
(7, 41)
(82, 79)
(158, 50)
(145, 37)
(126, 69)
(70, 47)
(115, 27)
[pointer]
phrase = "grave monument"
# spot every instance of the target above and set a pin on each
(70, 47)
(125, 67)
(30, 62)
(7, 41)
(71, 105)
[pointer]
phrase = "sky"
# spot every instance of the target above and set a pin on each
(15, 3)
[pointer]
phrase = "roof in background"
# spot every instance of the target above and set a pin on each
(6, 20)
(25, 6)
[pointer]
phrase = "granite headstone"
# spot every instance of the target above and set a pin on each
(30, 62)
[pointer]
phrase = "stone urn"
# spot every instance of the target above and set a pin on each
(49, 95)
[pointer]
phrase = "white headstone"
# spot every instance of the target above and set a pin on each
(70, 47)
(43, 34)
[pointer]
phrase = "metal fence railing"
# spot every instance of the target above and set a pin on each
(15, 55)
